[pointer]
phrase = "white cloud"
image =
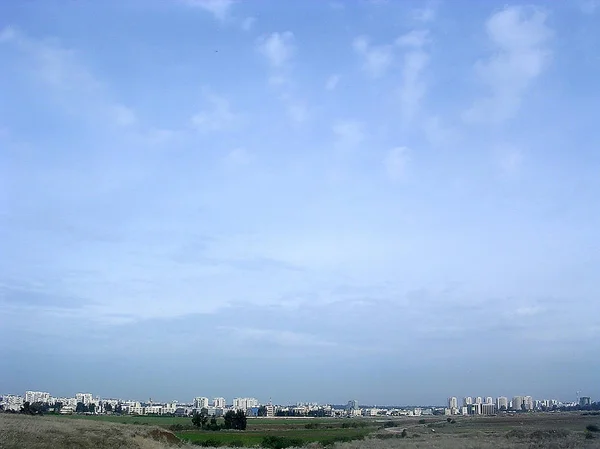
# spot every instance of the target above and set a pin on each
(278, 48)
(425, 14)
(521, 37)
(238, 156)
(395, 162)
(297, 111)
(248, 23)
(69, 82)
(124, 116)
(412, 88)
(348, 133)
(414, 38)
(332, 82)
(439, 133)
(218, 8)
(376, 59)
(217, 118)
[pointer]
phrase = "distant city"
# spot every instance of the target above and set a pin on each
(87, 403)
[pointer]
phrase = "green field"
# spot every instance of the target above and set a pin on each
(255, 437)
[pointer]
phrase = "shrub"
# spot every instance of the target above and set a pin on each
(211, 442)
(453, 421)
(449, 419)
(593, 428)
(422, 421)
(404, 433)
(236, 443)
(275, 442)
(589, 436)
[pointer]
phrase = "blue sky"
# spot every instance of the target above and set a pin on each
(392, 201)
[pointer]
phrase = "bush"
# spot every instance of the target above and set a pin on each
(589, 436)
(404, 433)
(422, 421)
(236, 443)
(449, 419)
(312, 425)
(211, 442)
(389, 424)
(453, 421)
(593, 428)
(275, 442)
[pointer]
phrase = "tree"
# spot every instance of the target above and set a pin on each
(108, 407)
(229, 419)
(58, 406)
(118, 409)
(262, 411)
(26, 408)
(81, 408)
(92, 408)
(200, 419)
(240, 420)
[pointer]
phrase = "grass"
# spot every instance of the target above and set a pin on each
(535, 431)
(255, 437)
(45, 432)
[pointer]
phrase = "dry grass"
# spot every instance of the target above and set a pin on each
(534, 432)
(35, 432)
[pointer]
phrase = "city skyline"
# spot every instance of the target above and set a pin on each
(390, 201)
(243, 402)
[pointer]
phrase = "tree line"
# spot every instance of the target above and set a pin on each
(231, 420)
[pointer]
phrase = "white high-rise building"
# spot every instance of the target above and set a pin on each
(517, 403)
(37, 396)
(502, 403)
(200, 402)
(219, 402)
(467, 401)
(86, 398)
(244, 403)
(479, 400)
(528, 402)
(489, 400)
(452, 403)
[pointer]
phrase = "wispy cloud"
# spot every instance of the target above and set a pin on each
(376, 59)
(238, 156)
(348, 133)
(332, 82)
(396, 161)
(217, 117)
(426, 13)
(278, 48)
(509, 159)
(413, 88)
(248, 23)
(280, 337)
(220, 9)
(521, 38)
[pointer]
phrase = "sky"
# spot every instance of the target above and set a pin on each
(389, 201)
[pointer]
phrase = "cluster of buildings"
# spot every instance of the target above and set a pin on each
(488, 406)
(88, 403)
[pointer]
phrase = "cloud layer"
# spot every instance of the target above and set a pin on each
(359, 194)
